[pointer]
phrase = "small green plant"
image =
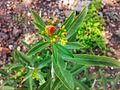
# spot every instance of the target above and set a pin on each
(50, 64)
(90, 32)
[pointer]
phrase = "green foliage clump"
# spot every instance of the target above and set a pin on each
(90, 32)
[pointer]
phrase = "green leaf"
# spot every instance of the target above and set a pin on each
(73, 38)
(25, 44)
(103, 80)
(15, 66)
(115, 81)
(55, 52)
(69, 20)
(27, 76)
(7, 88)
(78, 69)
(41, 79)
(19, 57)
(3, 73)
(38, 48)
(93, 60)
(37, 18)
(76, 23)
(80, 86)
(46, 37)
(15, 57)
(21, 89)
(44, 63)
(63, 88)
(63, 50)
(38, 26)
(30, 83)
(57, 84)
(46, 85)
(24, 58)
(64, 75)
(73, 45)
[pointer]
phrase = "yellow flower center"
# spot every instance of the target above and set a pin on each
(63, 42)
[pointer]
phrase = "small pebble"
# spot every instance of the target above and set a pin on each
(112, 68)
(45, 13)
(16, 33)
(28, 14)
(10, 47)
(109, 54)
(5, 36)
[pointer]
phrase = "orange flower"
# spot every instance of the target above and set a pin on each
(50, 29)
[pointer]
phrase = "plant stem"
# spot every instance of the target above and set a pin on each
(52, 71)
(94, 83)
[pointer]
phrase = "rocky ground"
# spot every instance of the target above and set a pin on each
(111, 14)
(15, 24)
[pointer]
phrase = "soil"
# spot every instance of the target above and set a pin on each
(111, 14)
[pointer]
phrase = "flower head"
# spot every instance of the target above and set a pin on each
(35, 74)
(56, 36)
(50, 29)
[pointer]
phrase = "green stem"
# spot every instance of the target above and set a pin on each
(52, 70)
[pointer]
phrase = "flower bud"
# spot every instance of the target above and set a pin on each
(56, 36)
(54, 20)
(63, 42)
(65, 34)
